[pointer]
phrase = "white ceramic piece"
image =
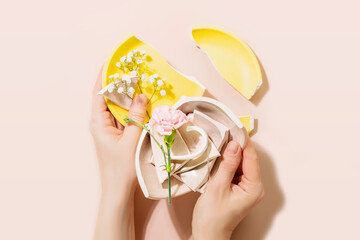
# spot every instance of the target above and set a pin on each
(180, 148)
(210, 154)
(197, 176)
(217, 132)
(179, 152)
(202, 148)
(146, 172)
(119, 99)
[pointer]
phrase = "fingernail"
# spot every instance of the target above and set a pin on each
(232, 147)
(141, 99)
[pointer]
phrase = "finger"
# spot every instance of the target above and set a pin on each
(137, 112)
(99, 104)
(119, 125)
(250, 165)
(100, 115)
(228, 165)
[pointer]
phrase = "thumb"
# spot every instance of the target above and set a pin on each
(137, 112)
(228, 166)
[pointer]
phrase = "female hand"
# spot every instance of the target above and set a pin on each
(234, 190)
(115, 148)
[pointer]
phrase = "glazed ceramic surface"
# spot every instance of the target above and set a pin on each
(231, 56)
(146, 171)
(178, 84)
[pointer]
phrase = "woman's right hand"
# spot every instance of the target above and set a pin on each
(231, 193)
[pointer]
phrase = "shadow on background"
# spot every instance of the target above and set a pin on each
(208, 94)
(181, 211)
(258, 96)
(143, 209)
(256, 225)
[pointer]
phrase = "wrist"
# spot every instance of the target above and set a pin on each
(118, 185)
(115, 194)
(116, 217)
(208, 236)
(209, 233)
(122, 204)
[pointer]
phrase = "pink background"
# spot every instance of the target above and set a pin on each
(307, 109)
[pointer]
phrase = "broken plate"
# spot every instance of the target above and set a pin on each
(210, 154)
(146, 171)
(249, 122)
(232, 58)
(180, 153)
(218, 133)
(177, 83)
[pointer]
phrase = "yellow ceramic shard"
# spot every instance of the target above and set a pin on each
(248, 122)
(232, 58)
(176, 84)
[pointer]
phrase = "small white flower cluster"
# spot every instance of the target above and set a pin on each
(115, 76)
(121, 85)
(132, 62)
(157, 82)
(133, 65)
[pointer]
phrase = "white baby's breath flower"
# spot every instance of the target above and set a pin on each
(163, 79)
(139, 61)
(163, 92)
(155, 75)
(118, 64)
(160, 83)
(120, 90)
(126, 78)
(129, 60)
(142, 53)
(131, 90)
(136, 50)
(133, 73)
(151, 80)
(143, 77)
(111, 77)
(122, 59)
(130, 55)
(116, 75)
(111, 88)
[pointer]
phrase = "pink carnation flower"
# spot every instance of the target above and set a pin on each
(165, 119)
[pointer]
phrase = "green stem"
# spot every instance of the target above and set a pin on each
(168, 169)
(169, 186)
(146, 129)
(138, 83)
(128, 96)
(167, 163)
(152, 93)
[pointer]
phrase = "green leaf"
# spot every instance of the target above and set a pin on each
(169, 139)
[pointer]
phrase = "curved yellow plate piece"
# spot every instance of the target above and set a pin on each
(177, 84)
(248, 122)
(232, 58)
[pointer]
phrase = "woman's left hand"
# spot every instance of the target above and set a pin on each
(115, 147)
